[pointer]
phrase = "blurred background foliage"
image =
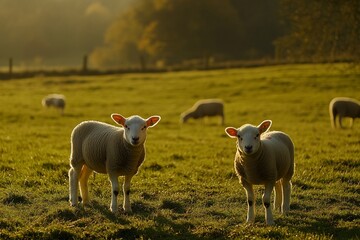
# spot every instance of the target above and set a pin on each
(162, 33)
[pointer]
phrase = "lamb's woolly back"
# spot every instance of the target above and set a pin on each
(98, 142)
(278, 148)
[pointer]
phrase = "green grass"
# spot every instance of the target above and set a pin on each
(186, 188)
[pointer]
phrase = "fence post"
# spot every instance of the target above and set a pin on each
(142, 62)
(10, 67)
(85, 63)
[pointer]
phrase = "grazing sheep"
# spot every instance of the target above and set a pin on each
(54, 100)
(204, 108)
(103, 148)
(264, 159)
(344, 107)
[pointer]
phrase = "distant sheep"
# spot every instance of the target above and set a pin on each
(54, 100)
(344, 107)
(264, 159)
(103, 148)
(205, 108)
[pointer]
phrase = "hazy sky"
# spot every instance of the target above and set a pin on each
(53, 32)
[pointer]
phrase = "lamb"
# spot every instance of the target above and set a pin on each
(104, 148)
(54, 100)
(344, 107)
(264, 159)
(204, 108)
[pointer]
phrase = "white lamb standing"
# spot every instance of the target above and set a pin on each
(104, 148)
(264, 159)
(54, 100)
(204, 108)
(344, 107)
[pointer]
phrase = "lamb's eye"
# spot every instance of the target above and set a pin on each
(257, 135)
(127, 127)
(143, 128)
(240, 138)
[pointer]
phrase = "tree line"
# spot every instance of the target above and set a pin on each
(320, 30)
(170, 32)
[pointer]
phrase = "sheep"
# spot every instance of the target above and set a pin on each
(203, 108)
(54, 100)
(107, 149)
(264, 159)
(344, 107)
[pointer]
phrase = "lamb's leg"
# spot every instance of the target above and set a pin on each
(334, 121)
(126, 190)
(84, 176)
(278, 195)
(114, 192)
(287, 192)
(250, 200)
(266, 202)
(74, 173)
(351, 122)
(340, 122)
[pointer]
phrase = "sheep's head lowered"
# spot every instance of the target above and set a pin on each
(135, 127)
(248, 136)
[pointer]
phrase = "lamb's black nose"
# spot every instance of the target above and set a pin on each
(248, 148)
(135, 139)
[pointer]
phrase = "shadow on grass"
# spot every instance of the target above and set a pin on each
(105, 211)
(164, 229)
(323, 224)
(173, 206)
(14, 199)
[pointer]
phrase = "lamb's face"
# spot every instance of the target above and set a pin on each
(183, 118)
(248, 136)
(46, 102)
(135, 127)
(135, 130)
(248, 139)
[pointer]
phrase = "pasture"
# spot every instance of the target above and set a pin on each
(186, 188)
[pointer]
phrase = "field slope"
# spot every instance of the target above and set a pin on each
(186, 188)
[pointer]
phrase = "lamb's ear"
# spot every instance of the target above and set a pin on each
(231, 132)
(152, 121)
(264, 126)
(118, 119)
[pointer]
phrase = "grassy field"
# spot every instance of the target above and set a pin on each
(186, 188)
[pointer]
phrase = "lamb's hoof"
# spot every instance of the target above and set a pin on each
(115, 212)
(270, 223)
(128, 211)
(250, 222)
(285, 211)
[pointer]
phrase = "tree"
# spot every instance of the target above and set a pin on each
(189, 29)
(175, 31)
(172, 31)
(121, 47)
(321, 30)
(262, 26)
